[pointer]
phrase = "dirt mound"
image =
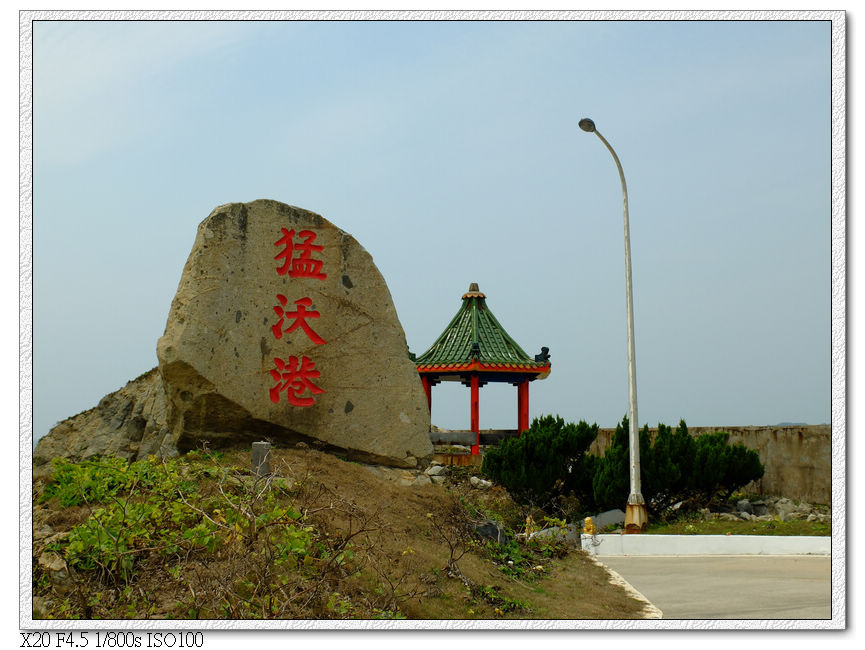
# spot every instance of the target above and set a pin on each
(390, 544)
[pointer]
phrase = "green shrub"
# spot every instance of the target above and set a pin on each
(157, 508)
(675, 467)
(92, 481)
(611, 478)
(548, 461)
(666, 465)
(721, 468)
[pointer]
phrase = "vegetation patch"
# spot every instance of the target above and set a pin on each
(200, 536)
(696, 526)
(549, 467)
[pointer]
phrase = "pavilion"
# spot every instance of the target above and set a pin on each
(475, 349)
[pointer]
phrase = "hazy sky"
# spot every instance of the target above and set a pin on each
(451, 151)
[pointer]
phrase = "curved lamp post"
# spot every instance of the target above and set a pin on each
(635, 513)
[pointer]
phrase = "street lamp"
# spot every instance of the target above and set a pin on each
(635, 512)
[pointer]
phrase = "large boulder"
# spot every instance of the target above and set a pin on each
(282, 329)
(282, 325)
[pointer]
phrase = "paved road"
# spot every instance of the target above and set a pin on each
(731, 586)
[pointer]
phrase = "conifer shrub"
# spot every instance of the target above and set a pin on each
(611, 478)
(674, 467)
(666, 466)
(550, 464)
(547, 462)
(731, 466)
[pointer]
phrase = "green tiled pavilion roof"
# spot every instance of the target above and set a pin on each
(474, 337)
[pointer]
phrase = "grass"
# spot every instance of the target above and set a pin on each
(718, 527)
(200, 537)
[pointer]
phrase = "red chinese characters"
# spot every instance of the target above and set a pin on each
(294, 377)
(299, 316)
(302, 266)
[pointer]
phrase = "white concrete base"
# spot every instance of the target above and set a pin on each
(602, 545)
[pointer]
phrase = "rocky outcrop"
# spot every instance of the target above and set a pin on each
(767, 508)
(128, 423)
(282, 329)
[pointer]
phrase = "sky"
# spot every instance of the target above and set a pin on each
(451, 152)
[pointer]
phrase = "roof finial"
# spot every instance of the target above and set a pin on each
(473, 292)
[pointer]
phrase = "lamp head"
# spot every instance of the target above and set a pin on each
(587, 125)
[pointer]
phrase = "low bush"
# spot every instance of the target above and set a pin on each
(549, 466)
(674, 467)
(546, 463)
(96, 480)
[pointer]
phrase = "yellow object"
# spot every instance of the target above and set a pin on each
(589, 526)
(531, 526)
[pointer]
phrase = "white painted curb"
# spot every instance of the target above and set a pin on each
(649, 610)
(602, 545)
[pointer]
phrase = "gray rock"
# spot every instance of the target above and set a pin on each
(436, 470)
(479, 483)
(55, 568)
(490, 529)
(41, 606)
(41, 533)
(438, 480)
(129, 423)
(51, 562)
(570, 533)
(57, 537)
(608, 518)
(403, 477)
(743, 505)
(767, 508)
(785, 509)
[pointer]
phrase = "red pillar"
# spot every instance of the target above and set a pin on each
(428, 390)
(475, 383)
(523, 406)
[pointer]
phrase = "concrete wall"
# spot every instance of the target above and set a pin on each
(797, 458)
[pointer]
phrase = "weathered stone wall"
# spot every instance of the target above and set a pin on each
(797, 458)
